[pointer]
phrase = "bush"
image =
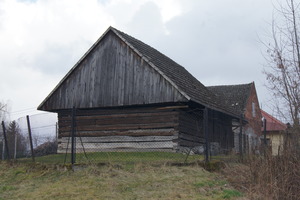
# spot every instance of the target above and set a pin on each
(276, 177)
(46, 149)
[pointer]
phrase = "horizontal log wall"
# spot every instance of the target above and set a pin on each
(126, 128)
(115, 143)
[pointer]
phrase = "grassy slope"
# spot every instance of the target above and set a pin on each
(117, 157)
(138, 181)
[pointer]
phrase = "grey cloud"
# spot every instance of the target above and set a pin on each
(215, 44)
(58, 59)
(147, 23)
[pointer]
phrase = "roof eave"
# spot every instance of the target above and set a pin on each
(217, 109)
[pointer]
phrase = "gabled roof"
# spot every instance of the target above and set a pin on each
(185, 82)
(273, 124)
(235, 96)
(174, 73)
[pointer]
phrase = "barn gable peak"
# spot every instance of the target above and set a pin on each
(112, 73)
(120, 70)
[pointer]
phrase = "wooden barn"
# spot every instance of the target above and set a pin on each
(129, 96)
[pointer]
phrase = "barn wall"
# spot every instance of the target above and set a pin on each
(191, 128)
(146, 128)
(112, 75)
(220, 131)
(162, 128)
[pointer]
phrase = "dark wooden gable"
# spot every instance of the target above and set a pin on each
(111, 74)
(235, 96)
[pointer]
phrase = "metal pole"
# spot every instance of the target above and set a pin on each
(73, 148)
(265, 132)
(205, 120)
(30, 138)
(5, 140)
(241, 136)
(265, 136)
(56, 131)
(15, 153)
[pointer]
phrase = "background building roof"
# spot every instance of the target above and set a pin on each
(235, 96)
(273, 124)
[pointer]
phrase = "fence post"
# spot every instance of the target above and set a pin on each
(15, 147)
(56, 132)
(30, 138)
(73, 134)
(241, 137)
(265, 136)
(5, 141)
(205, 120)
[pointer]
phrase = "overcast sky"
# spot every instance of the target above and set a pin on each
(215, 40)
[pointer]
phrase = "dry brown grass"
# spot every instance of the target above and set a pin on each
(267, 177)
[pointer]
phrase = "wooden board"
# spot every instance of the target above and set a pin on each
(120, 139)
(80, 150)
(139, 132)
(124, 145)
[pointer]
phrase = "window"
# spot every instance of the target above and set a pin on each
(253, 109)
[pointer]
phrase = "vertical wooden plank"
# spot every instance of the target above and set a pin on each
(93, 65)
(130, 68)
(121, 75)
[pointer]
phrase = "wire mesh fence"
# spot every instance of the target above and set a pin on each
(54, 146)
(49, 147)
(43, 129)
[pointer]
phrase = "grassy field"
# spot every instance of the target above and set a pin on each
(112, 181)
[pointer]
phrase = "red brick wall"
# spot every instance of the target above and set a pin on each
(254, 121)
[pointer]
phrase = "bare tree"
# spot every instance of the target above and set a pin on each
(3, 110)
(283, 72)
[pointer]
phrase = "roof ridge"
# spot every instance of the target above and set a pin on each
(243, 84)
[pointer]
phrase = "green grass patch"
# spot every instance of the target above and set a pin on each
(228, 194)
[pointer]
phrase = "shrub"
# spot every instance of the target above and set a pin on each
(46, 149)
(276, 177)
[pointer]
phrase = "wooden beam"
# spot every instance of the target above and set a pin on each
(110, 139)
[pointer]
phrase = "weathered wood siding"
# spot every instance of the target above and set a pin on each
(143, 129)
(191, 128)
(126, 128)
(112, 75)
(220, 130)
